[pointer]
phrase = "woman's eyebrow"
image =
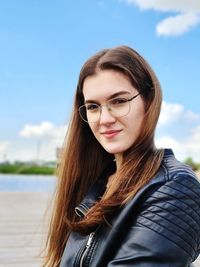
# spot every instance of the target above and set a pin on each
(109, 97)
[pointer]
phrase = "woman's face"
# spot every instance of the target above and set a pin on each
(115, 134)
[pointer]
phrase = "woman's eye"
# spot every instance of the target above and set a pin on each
(91, 107)
(118, 101)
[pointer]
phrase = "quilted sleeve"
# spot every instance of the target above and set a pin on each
(167, 230)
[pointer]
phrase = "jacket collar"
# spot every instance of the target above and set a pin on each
(168, 153)
(96, 191)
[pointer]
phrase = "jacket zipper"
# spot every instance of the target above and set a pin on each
(88, 244)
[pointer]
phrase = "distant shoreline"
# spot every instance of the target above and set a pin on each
(33, 169)
(23, 168)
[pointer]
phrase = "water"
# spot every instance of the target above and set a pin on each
(27, 183)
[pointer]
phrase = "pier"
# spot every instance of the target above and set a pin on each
(22, 228)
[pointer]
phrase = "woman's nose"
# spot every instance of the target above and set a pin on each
(106, 115)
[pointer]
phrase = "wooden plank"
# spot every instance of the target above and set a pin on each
(23, 228)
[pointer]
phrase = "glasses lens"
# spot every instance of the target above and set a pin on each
(90, 112)
(82, 113)
(119, 107)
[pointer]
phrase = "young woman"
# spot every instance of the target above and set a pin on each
(120, 201)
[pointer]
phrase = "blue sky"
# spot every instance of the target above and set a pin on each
(43, 45)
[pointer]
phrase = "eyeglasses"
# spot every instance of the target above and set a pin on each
(118, 107)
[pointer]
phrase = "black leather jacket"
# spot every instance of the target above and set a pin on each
(159, 227)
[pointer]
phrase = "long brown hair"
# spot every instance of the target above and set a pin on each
(83, 158)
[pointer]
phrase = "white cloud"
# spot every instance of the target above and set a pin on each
(170, 113)
(188, 14)
(193, 143)
(59, 132)
(41, 143)
(176, 146)
(192, 116)
(38, 150)
(43, 129)
(177, 25)
(184, 147)
(173, 112)
(167, 5)
(4, 145)
(179, 129)
(167, 142)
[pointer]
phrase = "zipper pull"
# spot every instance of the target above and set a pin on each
(89, 240)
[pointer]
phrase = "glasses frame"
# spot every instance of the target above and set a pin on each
(107, 105)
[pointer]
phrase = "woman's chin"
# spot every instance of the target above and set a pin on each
(114, 150)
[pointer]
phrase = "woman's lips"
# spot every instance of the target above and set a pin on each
(110, 134)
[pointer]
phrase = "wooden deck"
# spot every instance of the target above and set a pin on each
(22, 228)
